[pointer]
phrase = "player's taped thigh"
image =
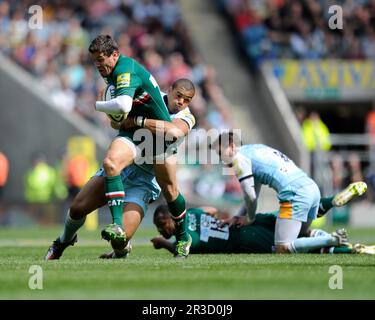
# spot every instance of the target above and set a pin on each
(286, 231)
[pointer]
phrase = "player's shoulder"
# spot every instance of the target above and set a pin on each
(187, 116)
(184, 112)
(124, 65)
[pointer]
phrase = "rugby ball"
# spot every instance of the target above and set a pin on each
(109, 94)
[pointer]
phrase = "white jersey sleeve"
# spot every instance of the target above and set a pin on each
(186, 116)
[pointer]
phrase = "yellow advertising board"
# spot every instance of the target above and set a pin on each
(325, 79)
(84, 147)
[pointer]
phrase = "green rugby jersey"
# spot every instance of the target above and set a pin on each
(130, 78)
(208, 237)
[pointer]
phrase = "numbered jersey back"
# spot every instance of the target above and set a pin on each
(270, 166)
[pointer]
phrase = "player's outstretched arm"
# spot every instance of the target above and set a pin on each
(162, 243)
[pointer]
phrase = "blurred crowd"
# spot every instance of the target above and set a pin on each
(150, 31)
(299, 29)
(346, 164)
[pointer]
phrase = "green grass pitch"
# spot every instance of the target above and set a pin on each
(154, 274)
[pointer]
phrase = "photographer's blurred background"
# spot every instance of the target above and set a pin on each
(272, 68)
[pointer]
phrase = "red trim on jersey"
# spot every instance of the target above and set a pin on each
(179, 217)
(141, 101)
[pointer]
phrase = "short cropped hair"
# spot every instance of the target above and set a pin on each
(162, 209)
(184, 83)
(103, 44)
(225, 139)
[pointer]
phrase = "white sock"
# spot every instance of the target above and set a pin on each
(304, 245)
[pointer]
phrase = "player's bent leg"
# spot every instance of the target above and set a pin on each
(166, 176)
(90, 198)
(286, 231)
(121, 153)
(132, 217)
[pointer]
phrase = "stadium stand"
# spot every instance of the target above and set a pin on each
(300, 29)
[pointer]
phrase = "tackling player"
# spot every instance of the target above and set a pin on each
(139, 181)
(136, 94)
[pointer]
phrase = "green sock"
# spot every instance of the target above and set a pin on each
(177, 208)
(342, 250)
(114, 192)
(71, 227)
(334, 250)
(324, 206)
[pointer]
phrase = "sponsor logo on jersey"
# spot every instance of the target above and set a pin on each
(123, 80)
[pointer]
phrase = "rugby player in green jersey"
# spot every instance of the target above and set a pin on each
(210, 235)
(139, 181)
(137, 94)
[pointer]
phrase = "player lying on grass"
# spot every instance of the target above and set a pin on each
(299, 196)
(210, 235)
(139, 182)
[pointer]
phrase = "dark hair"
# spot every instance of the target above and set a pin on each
(162, 209)
(227, 138)
(184, 83)
(103, 44)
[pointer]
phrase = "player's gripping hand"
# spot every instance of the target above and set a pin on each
(238, 221)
